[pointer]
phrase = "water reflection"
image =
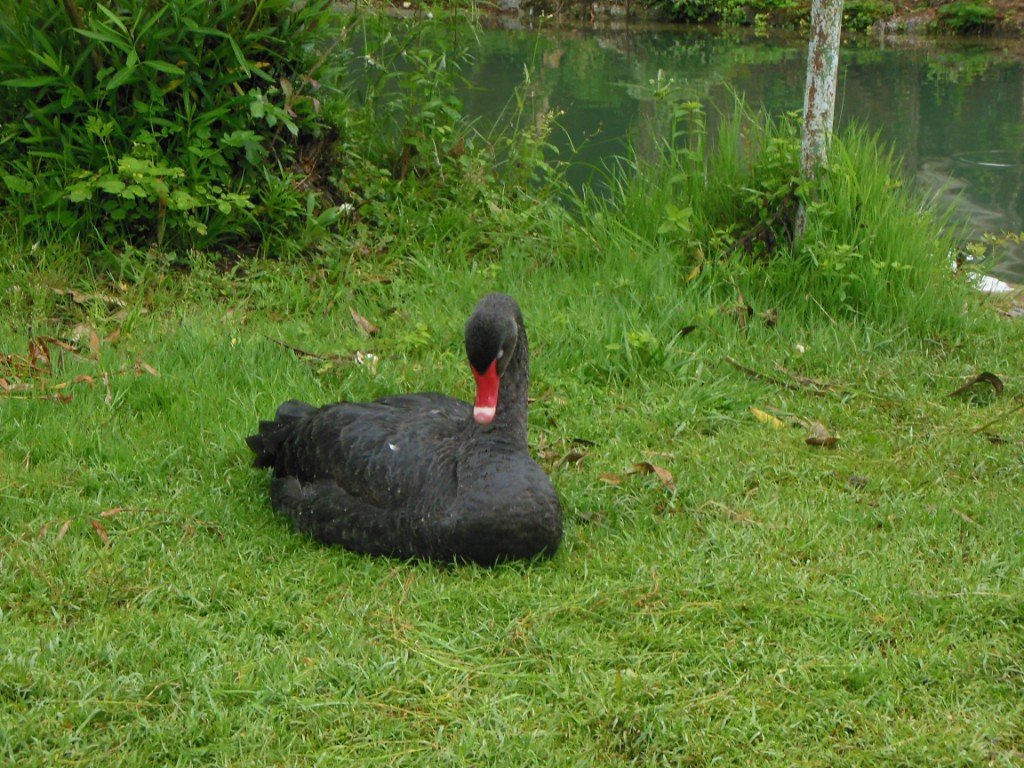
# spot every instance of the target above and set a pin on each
(955, 114)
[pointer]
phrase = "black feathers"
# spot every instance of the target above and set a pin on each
(415, 475)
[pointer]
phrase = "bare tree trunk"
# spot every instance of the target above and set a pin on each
(820, 92)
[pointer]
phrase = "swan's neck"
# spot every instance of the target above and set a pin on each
(510, 417)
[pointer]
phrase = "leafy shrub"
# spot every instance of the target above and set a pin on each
(721, 197)
(728, 11)
(860, 15)
(180, 123)
(967, 17)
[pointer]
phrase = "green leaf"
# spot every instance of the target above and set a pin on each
(17, 184)
(80, 192)
(107, 37)
(122, 77)
(114, 18)
(32, 82)
(164, 66)
(111, 186)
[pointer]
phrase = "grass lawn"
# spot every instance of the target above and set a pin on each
(757, 601)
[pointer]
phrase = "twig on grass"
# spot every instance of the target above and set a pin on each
(1000, 417)
(795, 382)
(299, 352)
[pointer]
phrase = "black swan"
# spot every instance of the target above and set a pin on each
(422, 475)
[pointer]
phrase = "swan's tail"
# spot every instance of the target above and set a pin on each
(266, 442)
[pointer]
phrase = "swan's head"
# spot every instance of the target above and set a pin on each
(492, 333)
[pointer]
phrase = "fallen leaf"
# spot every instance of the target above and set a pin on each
(647, 468)
(111, 512)
(611, 478)
(141, 367)
(363, 324)
(38, 353)
(101, 531)
(65, 527)
(80, 297)
(84, 333)
(821, 437)
(767, 418)
(982, 378)
(572, 457)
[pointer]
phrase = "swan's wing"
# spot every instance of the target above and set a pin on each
(391, 453)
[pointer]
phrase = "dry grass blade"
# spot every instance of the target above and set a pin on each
(299, 352)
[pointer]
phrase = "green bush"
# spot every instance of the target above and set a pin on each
(722, 195)
(860, 15)
(967, 17)
(697, 11)
(180, 123)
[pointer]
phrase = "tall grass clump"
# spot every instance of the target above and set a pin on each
(181, 124)
(718, 199)
(420, 174)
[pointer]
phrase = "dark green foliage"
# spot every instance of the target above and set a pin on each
(967, 17)
(175, 123)
(729, 11)
(860, 15)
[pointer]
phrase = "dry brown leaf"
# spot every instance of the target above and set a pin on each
(821, 437)
(572, 457)
(982, 378)
(64, 528)
(38, 353)
(767, 418)
(101, 531)
(141, 367)
(363, 324)
(85, 334)
(611, 478)
(111, 512)
(80, 297)
(647, 468)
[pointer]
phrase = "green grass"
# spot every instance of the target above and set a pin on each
(781, 604)
(762, 601)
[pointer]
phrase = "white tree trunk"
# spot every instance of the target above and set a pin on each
(820, 91)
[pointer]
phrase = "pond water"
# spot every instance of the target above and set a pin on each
(953, 110)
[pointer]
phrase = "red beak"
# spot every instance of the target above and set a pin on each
(486, 394)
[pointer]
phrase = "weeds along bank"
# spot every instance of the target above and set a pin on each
(142, 135)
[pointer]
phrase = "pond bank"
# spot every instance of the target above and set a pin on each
(963, 17)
